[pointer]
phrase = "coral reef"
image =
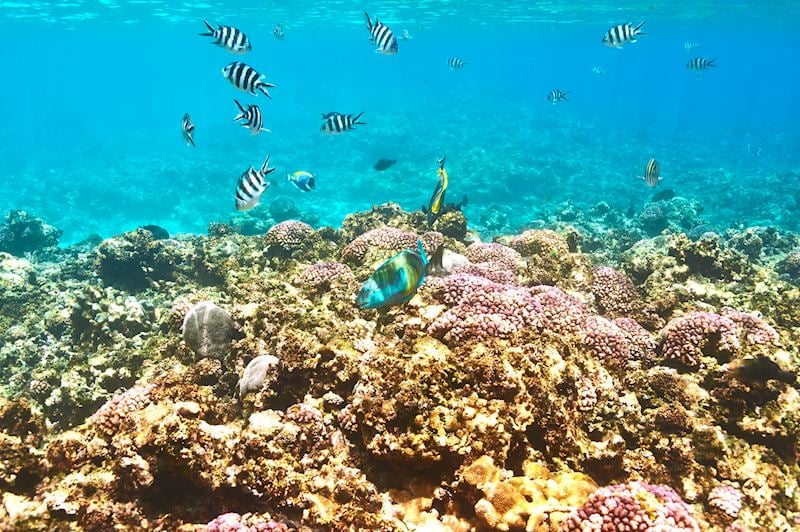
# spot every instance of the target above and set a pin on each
(24, 233)
(208, 330)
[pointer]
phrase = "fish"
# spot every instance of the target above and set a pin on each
(395, 281)
(651, 173)
(246, 78)
(251, 186)
(278, 32)
(755, 151)
(230, 38)
(381, 36)
(437, 199)
(760, 369)
(600, 71)
(187, 127)
(303, 180)
(663, 195)
(335, 123)
(700, 64)
(455, 63)
(252, 118)
(158, 232)
(621, 34)
(689, 45)
(405, 36)
(557, 96)
(384, 164)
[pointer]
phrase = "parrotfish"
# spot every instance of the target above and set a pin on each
(395, 281)
(437, 200)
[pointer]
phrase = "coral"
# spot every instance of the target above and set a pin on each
(208, 330)
(261, 371)
(102, 316)
(606, 342)
(23, 233)
(561, 313)
(114, 415)
(633, 506)
(289, 235)
(752, 328)
(540, 242)
(452, 224)
(381, 243)
(135, 260)
(614, 292)
(726, 499)
(503, 256)
(322, 274)
(494, 271)
(688, 338)
(642, 344)
(233, 522)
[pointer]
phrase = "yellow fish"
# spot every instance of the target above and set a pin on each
(437, 200)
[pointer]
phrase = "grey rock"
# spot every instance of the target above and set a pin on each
(208, 330)
(260, 371)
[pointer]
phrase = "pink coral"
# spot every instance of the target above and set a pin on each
(632, 506)
(642, 343)
(504, 256)
(289, 235)
(494, 271)
(752, 329)
(726, 499)
(561, 313)
(114, 414)
(614, 292)
(391, 240)
(233, 522)
(606, 342)
(324, 273)
(687, 338)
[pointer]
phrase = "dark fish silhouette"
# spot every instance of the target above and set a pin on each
(158, 232)
(384, 164)
(760, 369)
(662, 195)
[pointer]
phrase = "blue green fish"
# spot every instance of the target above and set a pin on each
(395, 281)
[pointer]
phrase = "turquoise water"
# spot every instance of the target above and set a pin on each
(94, 92)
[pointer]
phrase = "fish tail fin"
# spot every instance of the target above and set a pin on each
(355, 119)
(711, 62)
(464, 201)
(638, 28)
(190, 141)
(263, 86)
(211, 29)
(265, 165)
(368, 21)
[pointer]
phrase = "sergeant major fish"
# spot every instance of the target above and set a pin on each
(381, 36)
(335, 123)
(621, 34)
(395, 281)
(251, 186)
(455, 63)
(187, 127)
(303, 180)
(600, 71)
(246, 78)
(437, 199)
(277, 31)
(252, 118)
(699, 64)
(689, 45)
(557, 96)
(652, 173)
(230, 38)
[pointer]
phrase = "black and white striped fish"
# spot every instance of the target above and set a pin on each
(230, 38)
(689, 45)
(455, 63)
(652, 173)
(381, 36)
(621, 34)
(700, 63)
(277, 31)
(335, 123)
(251, 186)
(251, 117)
(557, 96)
(600, 71)
(246, 78)
(187, 127)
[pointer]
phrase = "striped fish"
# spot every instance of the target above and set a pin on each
(381, 36)
(652, 173)
(251, 117)
(600, 71)
(689, 46)
(246, 78)
(251, 185)
(277, 31)
(455, 63)
(621, 34)
(187, 127)
(437, 199)
(231, 39)
(700, 63)
(395, 281)
(557, 96)
(335, 123)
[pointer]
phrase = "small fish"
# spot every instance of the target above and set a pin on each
(246, 78)
(405, 36)
(557, 96)
(158, 232)
(760, 369)
(621, 34)
(651, 173)
(755, 151)
(381, 36)
(303, 180)
(187, 126)
(252, 118)
(455, 63)
(335, 123)
(395, 281)
(689, 45)
(230, 38)
(600, 71)
(278, 32)
(700, 63)
(384, 164)
(437, 199)
(251, 185)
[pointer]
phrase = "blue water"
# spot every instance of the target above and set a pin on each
(94, 92)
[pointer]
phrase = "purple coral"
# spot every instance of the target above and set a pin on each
(115, 413)
(632, 506)
(494, 271)
(233, 522)
(606, 342)
(289, 235)
(642, 343)
(687, 338)
(503, 256)
(726, 499)
(391, 240)
(752, 329)
(561, 313)
(324, 273)
(614, 292)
